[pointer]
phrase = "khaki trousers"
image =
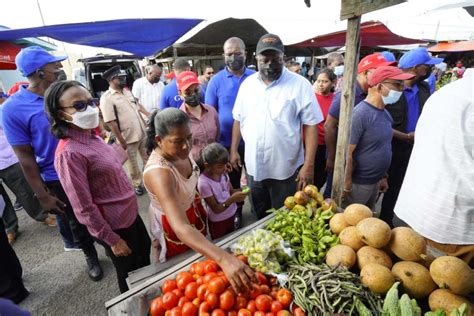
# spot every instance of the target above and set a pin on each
(133, 150)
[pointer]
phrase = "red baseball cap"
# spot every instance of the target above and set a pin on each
(186, 79)
(373, 61)
(387, 72)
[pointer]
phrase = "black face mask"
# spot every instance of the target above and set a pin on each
(426, 76)
(271, 71)
(193, 100)
(155, 79)
(60, 75)
(235, 62)
(122, 82)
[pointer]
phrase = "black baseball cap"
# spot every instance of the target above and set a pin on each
(270, 42)
(114, 71)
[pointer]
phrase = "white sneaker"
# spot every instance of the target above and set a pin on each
(67, 249)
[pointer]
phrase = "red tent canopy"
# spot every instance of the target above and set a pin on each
(8, 53)
(372, 33)
(464, 46)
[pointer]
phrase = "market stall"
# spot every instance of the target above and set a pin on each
(329, 261)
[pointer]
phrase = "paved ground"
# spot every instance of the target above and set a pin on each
(58, 280)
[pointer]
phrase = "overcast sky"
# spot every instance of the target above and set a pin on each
(290, 19)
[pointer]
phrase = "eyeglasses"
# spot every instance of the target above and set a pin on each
(82, 106)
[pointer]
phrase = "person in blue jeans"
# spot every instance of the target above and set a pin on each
(27, 129)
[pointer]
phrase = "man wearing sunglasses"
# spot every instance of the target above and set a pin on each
(120, 111)
(27, 129)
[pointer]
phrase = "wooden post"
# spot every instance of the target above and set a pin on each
(347, 103)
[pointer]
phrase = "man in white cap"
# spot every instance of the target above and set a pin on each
(27, 129)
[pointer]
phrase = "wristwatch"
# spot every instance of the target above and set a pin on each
(224, 205)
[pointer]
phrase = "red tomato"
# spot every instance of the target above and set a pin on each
(208, 277)
(240, 302)
(231, 313)
(200, 280)
(283, 312)
(244, 312)
(211, 266)
(243, 259)
(226, 281)
(272, 281)
(212, 299)
(262, 279)
(197, 302)
(201, 292)
(183, 279)
(183, 300)
(255, 291)
(175, 311)
(273, 294)
(269, 314)
(204, 308)
(285, 297)
(170, 300)
(189, 309)
(298, 312)
(157, 308)
(265, 289)
(259, 313)
(218, 312)
(263, 302)
(226, 300)
(192, 268)
(251, 306)
(168, 286)
(177, 292)
(276, 307)
(191, 290)
(216, 285)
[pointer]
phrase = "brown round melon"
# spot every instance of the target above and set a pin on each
(448, 301)
(374, 232)
(377, 278)
(338, 223)
(354, 213)
(414, 277)
(349, 237)
(452, 273)
(368, 254)
(341, 255)
(407, 244)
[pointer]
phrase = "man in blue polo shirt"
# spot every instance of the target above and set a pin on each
(170, 97)
(27, 130)
(221, 93)
(405, 114)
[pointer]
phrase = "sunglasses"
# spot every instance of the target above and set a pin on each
(210, 73)
(82, 106)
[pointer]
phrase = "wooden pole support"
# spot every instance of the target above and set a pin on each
(347, 103)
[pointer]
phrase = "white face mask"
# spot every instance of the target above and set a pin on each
(339, 70)
(392, 97)
(87, 119)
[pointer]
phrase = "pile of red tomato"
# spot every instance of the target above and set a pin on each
(205, 291)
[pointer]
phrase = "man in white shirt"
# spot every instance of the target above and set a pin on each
(437, 195)
(272, 109)
(148, 89)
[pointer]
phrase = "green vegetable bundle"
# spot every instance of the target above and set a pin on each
(309, 236)
(325, 290)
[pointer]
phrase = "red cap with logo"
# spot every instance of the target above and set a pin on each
(373, 61)
(387, 72)
(186, 79)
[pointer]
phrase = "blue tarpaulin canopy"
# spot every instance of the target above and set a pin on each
(142, 37)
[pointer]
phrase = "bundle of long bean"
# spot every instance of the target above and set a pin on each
(325, 290)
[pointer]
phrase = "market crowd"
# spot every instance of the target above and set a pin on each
(203, 140)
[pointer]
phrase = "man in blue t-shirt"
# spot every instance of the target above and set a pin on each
(169, 96)
(221, 93)
(364, 68)
(370, 145)
(27, 129)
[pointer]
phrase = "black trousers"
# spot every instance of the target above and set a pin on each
(79, 231)
(235, 176)
(320, 173)
(139, 242)
(11, 283)
(401, 152)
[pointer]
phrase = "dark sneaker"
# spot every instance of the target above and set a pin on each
(139, 191)
(17, 206)
(95, 270)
